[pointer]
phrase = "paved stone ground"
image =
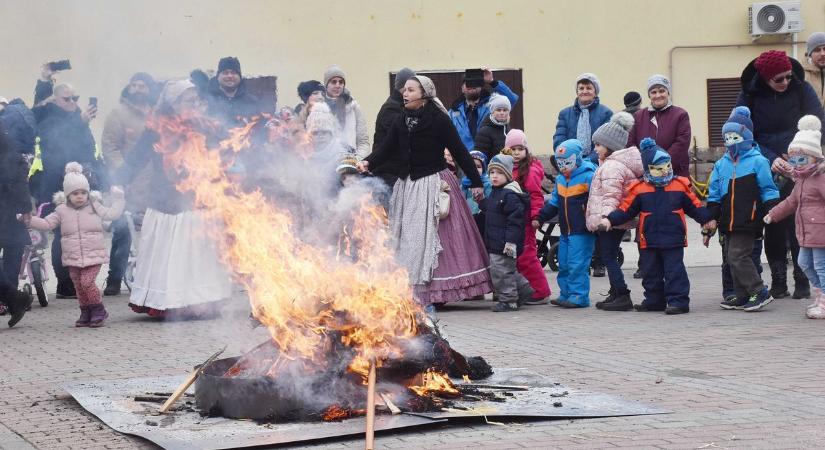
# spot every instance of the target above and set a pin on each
(732, 379)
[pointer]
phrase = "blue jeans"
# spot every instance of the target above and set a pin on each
(575, 251)
(812, 262)
(119, 254)
(609, 242)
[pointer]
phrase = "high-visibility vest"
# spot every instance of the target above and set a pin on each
(37, 162)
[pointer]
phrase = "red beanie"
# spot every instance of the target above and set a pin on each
(771, 63)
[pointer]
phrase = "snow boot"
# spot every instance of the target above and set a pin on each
(99, 314)
(85, 317)
(621, 302)
(779, 279)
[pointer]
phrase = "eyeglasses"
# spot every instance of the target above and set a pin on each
(799, 160)
(782, 79)
(71, 98)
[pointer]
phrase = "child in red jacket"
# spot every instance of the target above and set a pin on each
(529, 173)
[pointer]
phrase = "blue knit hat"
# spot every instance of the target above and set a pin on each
(740, 123)
(652, 153)
(568, 148)
(479, 155)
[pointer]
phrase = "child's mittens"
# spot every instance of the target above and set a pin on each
(767, 219)
(510, 250)
(604, 224)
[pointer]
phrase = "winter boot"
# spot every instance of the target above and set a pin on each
(673, 310)
(621, 302)
(18, 304)
(779, 279)
(611, 295)
(113, 288)
(801, 288)
(85, 317)
(599, 271)
(99, 314)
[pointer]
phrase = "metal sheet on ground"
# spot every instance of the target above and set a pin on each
(112, 402)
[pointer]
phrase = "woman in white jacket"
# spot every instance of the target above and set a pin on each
(347, 111)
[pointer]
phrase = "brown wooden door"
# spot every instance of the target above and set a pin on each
(448, 87)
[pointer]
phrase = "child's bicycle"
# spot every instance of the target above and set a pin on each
(34, 270)
(133, 222)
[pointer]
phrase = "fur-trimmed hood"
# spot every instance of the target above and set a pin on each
(59, 197)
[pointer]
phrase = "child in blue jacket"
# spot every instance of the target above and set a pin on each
(504, 211)
(661, 202)
(480, 160)
(569, 201)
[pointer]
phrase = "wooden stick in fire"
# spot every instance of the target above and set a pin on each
(188, 382)
(370, 439)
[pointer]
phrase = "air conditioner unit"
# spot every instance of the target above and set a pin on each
(774, 18)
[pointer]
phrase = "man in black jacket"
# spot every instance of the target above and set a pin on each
(18, 124)
(390, 111)
(227, 96)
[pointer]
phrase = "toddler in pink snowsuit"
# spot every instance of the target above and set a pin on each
(80, 216)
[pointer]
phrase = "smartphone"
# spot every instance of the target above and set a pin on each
(93, 102)
(57, 66)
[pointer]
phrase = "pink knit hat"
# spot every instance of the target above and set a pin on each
(516, 137)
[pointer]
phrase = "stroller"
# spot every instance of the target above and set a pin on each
(34, 270)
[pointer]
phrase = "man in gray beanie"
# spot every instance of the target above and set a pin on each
(814, 64)
(390, 111)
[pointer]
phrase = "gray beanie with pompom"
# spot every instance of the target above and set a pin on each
(614, 133)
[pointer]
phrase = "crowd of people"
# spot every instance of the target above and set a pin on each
(462, 188)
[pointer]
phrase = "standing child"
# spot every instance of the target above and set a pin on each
(740, 190)
(80, 217)
(661, 201)
(480, 160)
(807, 202)
(529, 173)
(619, 167)
(568, 200)
(504, 210)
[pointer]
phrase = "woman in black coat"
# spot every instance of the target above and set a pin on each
(444, 256)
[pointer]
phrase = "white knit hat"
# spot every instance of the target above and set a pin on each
(321, 119)
(809, 137)
(499, 101)
(74, 179)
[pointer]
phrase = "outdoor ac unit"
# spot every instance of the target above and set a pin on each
(774, 18)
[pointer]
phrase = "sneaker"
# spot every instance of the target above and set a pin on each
(599, 272)
(641, 307)
(638, 274)
(537, 301)
(673, 310)
(621, 302)
(504, 307)
(758, 301)
(112, 288)
(733, 302)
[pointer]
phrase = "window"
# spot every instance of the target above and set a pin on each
(722, 93)
(448, 86)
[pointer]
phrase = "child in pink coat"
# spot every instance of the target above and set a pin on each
(80, 217)
(529, 173)
(807, 204)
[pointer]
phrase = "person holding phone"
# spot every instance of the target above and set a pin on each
(65, 136)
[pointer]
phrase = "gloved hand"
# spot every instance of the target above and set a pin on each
(767, 219)
(510, 250)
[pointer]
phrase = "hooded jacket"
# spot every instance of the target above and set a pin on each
(806, 204)
(490, 137)
(352, 123)
(14, 196)
(741, 191)
(776, 114)
(816, 77)
(504, 217)
(670, 128)
(19, 125)
(81, 229)
(661, 211)
(121, 131)
(458, 111)
(611, 182)
(390, 111)
(568, 122)
(569, 200)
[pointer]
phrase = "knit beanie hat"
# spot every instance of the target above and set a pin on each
(658, 80)
(503, 163)
(173, 90)
(632, 99)
(739, 122)
(592, 78)
(771, 63)
(815, 41)
(479, 155)
(499, 101)
(569, 148)
(144, 77)
(332, 72)
(614, 134)
(401, 78)
(229, 63)
(652, 153)
(307, 88)
(74, 179)
(515, 137)
(809, 137)
(348, 165)
(321, 119)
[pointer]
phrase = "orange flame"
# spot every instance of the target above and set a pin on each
(435, 383)
(294, 290)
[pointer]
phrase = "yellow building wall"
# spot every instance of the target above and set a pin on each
(623, 42)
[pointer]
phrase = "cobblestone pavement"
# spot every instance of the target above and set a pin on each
(732, 379)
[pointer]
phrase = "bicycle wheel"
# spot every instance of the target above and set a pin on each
(553, 257)
(37, 281)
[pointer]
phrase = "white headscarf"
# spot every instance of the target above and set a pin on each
(429, 91)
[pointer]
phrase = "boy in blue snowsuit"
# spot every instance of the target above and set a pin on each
(661, 202)
(569, 201)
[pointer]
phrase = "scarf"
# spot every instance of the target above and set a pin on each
(429, 91)
(799, 173)
(583, 132)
